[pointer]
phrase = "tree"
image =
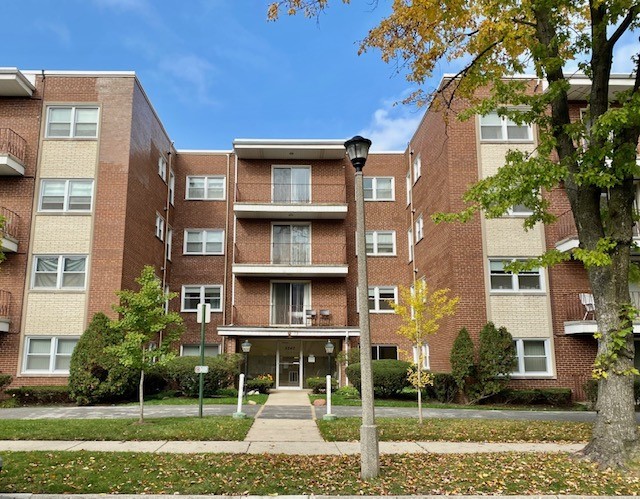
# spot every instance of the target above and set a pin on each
(462, 361)
(496, 361)
(421, 312)
(145, 324)
(594, 156)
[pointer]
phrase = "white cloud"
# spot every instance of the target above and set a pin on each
(622, 57)
(190, 76)
(392, 127)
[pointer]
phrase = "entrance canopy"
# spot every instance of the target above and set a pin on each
(288, 332)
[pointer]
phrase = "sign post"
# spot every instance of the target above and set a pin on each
(203, 317)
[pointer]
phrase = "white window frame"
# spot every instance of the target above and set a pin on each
(67, 189)
(408, 186)
(377, 301)
(203, 246)
(419, 223)
(377, 347)
(172, 186)
(206, 178)
(410, 244)
(53, 354)
(202, 288)
(72, 123)
(374, 235)
(519, 345)
(417, 167)
(512, 212)
(504, 124)
(425, 355)
(59, 273)
(515, 283)
(159, 226)
(162, 167)
(374, 188)
(169, 242)
(217, 346)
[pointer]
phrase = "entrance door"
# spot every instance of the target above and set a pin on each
(289, 365)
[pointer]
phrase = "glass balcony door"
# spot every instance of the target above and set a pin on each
(291, 185)
(289, 302)
(291, 244)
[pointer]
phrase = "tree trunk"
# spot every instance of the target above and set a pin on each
(419, 389)
(141, 396)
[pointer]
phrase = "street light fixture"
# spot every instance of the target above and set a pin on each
(329, 349)
(357, 151)
(246, 348)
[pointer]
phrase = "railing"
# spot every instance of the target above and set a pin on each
(286, 315)
(12, 143)
(290, 253)
(298, 194)
(5, 304)
(566, 226)
(576, 311)
(11, 222)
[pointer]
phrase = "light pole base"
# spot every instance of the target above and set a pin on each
(239, 415)
(329, 417)
(369, 452)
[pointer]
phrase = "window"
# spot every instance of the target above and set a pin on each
(417, 168)
(289, 300)
(410, 244)
(169, 242)
(48, 355)
(203, 242)
(520, 210)
(192, 296)
(172, 187)
(291, 184)
(194, 350)
(494, 127)
(424, 355)
(380, 298)
(162, 168)
(525, 280)
(380, 352)
(381, 242)
(408, 186)
(66, 195)
(210, 188)
(69, 122)
(159, 227)
(59, 272)
(532, 357)
(291, 244)
(378, 188)
(419, 223)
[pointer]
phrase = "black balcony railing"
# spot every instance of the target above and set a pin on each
(12, 143)
(290, 254)
(299, 194)
(11, 222)
(5, 304)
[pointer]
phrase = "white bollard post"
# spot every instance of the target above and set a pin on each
(239, 414)
(328, 416)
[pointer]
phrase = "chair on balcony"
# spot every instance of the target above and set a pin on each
(311, 317)
(589, 305)
(325, 317)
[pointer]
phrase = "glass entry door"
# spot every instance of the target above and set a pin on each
(289, 365)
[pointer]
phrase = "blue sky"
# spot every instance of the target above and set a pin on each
(216, 70)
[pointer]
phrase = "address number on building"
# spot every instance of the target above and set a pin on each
(202, 369)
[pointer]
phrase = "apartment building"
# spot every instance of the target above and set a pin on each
(92, 190)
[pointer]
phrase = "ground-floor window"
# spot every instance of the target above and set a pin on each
(194, 350)
(532, 357)
(379, 352)
(48, 355)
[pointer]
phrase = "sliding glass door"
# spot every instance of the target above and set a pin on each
(291, 185)
(289, 302)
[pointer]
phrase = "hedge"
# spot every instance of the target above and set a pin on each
(222, 371)
(5, 381)
(319, 384)
(260, 385)
(389, 377)
(444, 388)
(40, 395)
(556, 397)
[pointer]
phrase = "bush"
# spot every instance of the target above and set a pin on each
(227, 392)
(261, 385)
(40, 395)
(180, 372)
(319, 384)
(444, 388)
(389, 377)
(556, 397)
(352, 356)
(96, 376)
(462, 360)
(348, 392)
(5, 381)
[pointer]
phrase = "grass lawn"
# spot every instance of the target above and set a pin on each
(170, 399)
(192, 428)
(459, 430)
(136, 473)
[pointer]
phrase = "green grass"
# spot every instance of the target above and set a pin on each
(168, 398)
(459, 430)
(184, 428)
(229, 474)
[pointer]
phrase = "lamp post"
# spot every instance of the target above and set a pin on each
(329, 349)
(246, 348)
(357, 151)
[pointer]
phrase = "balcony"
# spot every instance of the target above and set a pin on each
(9, 234)
(290, 260)
(568, 233)
(579, 320)
(12, 153)
(290, 201)
(5, 306)
(287, 316)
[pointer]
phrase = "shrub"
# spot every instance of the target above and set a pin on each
(180, 372)
(319, 384)
(227, 392)
(389, 376)
(443, 389)
(348, 392)
(462, 360)
(261, 385)
(556, 397)
(96, 376)
(5, 381)
(40, 395)
(350, 357)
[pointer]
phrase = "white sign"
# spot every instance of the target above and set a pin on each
(202, 369)
(207, 313)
